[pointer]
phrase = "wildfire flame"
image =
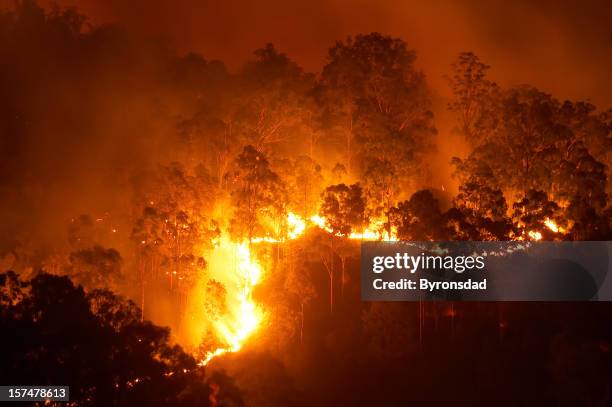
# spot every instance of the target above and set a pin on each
(244, 315)
(374, 231)
(535, 235)
(550, 224)
(296, 225)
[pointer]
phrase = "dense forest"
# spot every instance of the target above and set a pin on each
(178, 233)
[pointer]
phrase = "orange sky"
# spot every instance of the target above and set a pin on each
(562, 47)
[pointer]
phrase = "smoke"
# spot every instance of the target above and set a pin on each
(564, 48)
(75, 121)
(93, 109)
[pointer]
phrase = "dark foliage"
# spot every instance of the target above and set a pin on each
(54, 333)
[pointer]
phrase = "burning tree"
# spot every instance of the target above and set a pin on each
(304, 180)
(526, 140)
(532, 213)
(257, 195)
(172, 231)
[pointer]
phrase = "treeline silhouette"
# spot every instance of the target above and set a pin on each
(97, 344)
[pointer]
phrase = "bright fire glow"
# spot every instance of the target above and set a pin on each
(244, 316)
(296, 225)
(318, 220)
(376, 230)
(550, 224)
(535, 235)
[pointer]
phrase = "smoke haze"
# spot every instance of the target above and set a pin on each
(564, 48)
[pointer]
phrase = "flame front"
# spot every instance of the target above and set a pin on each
(374, 231)
(535, 235)
(550, 225)
(296, 225)
(244, 316)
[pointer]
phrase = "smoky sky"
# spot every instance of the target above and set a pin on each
(562, 47)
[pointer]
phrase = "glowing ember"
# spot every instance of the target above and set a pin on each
(534, 235)
(550, 224)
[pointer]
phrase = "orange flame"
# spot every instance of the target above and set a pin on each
(535, 235)
(244, 316)
(552, 225)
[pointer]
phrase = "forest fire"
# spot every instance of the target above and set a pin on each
(244, 316)
(376, 230)
(296, 225)
(552, 225)
(535, 235)
(182, 221)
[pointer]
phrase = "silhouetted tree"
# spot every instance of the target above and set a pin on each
(378, 102)
(475, 98)
(419, 218)
(66, 333)
(257, 194)
(96, 267)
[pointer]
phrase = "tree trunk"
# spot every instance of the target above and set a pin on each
(331, 292)
(348, 146)
(302, 324)
(343, 261)
(312, 136)
(331, 278)
(142, 288)
(142, 303)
